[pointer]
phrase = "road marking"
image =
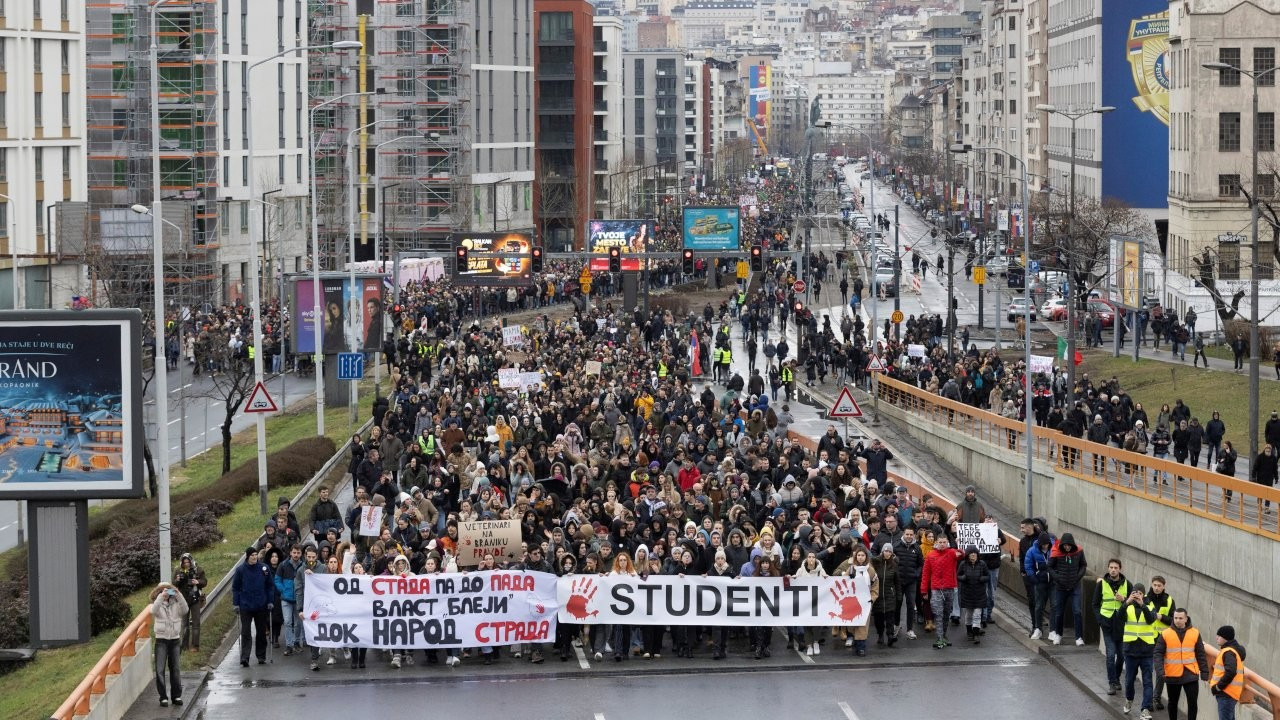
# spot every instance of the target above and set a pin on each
(848, 711)
(582, 662)
(599, 716)
(799, 650)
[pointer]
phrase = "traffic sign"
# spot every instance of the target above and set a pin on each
(799, 286)
(260, 401)
(845, 406)
(585, 276)
(350, 366)
(980, 275)
(875, 365)
(896, 317)
(744, 270)
(1035, 266)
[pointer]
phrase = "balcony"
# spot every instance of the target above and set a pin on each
(600, 135)
(600, 47)
(601, 75)
(555, 71)
(556, 139)
(602, 106)
(601, 165)
(556, 38)
(555, 105)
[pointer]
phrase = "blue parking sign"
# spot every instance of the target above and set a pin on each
(1035, 266)
(350, 366)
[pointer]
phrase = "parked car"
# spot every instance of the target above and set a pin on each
(1018, 308)
(1105, 310)
(1054, 309)
(884, 281)
(998, 265)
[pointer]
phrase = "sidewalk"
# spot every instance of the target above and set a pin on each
(1266, 370)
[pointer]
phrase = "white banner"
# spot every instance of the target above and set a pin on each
(449, 610)
(742, 602)
(915, 351)
(530, 381)
(594, 367)
(985, 536)
(511, 336)
(1042, 364)
(370, 521)
(509, 378)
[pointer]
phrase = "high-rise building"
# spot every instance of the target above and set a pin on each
(653, 102)
(444, 138)
(42, 122)
(567, 127)
(607, 107)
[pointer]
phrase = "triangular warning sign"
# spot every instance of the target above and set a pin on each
(845, 407)
(260, 401)
(875, 365)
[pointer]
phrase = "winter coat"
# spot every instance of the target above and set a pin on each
(890, 584)
(972, 577)
(1035, 563)
(910, 561)
(1067, 564)
(252, 587)
(940, 570)
(168, 614)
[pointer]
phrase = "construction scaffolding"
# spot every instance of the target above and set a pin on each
(119, 96)
(413, 169)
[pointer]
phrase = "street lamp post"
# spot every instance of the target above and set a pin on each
(1070, 360)
(316, 314)
(1254, 317)
(255, 293)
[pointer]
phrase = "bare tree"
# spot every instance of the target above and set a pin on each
(231, 380)
(1086, 254)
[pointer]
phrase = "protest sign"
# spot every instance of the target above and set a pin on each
(915, 351)
(370, 521)
(593, 367)
(446, 610)
(530, 381)
(479, 537)
(1042, 364)
(743, 602)
(511, 336)
(985, 536)
(509, 378)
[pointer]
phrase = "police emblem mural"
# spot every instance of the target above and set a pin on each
(1148, 52)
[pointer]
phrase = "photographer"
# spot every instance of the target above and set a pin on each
(168, 613)
(190, 582)
(1139, 648)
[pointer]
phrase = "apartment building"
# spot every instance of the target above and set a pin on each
(653, 108)
(992, 79)
(608, 111)
(42, 151)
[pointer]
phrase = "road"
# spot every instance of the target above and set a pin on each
(204, 415)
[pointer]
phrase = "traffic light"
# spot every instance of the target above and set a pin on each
(687, 261)
(461, 259)
(615, 259)
(757, 258)
(535, 260)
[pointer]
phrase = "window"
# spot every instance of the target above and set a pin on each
(1228, 186)
(244, 216)
(1266, 129)
(405, 8)
(66, 163)
(555, 26)
(1230, 56)
(1266, 187)
(37, 51)
(39, 217)
(38, 109)
(4, 165)
(1229, 258)
(38, 161)
(1013, 107)
(1228, 132)
(4, 219)
(1264, 58)
(3, 104)
(66, 110)
(404, 81)
(1013, 50)
(405, 41)
(121, 28)
(64, 48)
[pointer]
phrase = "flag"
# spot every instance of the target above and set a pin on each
(695, 363)
(1062, 352)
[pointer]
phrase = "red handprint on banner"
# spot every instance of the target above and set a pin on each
(843, 592)
(581, 592)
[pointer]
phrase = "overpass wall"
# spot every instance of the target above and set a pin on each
(1222, 575)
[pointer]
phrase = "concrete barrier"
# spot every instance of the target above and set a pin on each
(1222, 574)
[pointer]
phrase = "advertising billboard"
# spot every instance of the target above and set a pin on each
(346, 313)
(758, 97)
(71, 404)
(1135, 80)
(633, 236)
(1128, 254)
(712, 228)
(509, 268)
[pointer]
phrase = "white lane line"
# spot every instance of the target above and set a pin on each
(582, 662)
(599, 716)
(799, 650)
(848, 711)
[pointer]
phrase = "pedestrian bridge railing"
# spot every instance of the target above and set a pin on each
(1239, 503)
(126, 662)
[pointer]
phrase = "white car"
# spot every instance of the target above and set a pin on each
(998, 265)
(1018, 308)
(1054, 309)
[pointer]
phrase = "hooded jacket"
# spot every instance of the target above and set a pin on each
(887, 571)
(1067, 564)
(252, 588)
(1035, 562)
(910, 561)
(972, 574)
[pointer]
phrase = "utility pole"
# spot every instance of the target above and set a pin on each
(897, 275)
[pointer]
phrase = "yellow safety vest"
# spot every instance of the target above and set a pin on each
(1180, 655)
(787, 375)
(1236, 687)
(726, 357)
(1137, 630)
(428, 446)
(1109, 603)
(662, 369)
(250, 352)
(1166, 609)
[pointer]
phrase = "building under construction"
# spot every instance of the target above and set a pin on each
(440, 144)
(104, 233)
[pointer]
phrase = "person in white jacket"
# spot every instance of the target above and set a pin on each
(810, 567)
(168, 615)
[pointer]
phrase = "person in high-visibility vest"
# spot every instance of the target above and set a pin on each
(1181, 663)
(1161, 604)
(1227, 682)
(1139, 648)
(1108, 595)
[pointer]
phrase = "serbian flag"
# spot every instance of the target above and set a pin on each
(695, 364)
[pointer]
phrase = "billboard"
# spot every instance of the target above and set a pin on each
(71, 404)
(1128, 254)
(1135, 80)
(347, 314)
(711, 228)
(633, 236)
(511, 268)
(759, 94)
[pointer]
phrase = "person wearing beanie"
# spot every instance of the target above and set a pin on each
(721, 568)
(1227, 681)
(253, 597)
(884, 610)
(1181, 663)
(1139, 648)
(972, 576)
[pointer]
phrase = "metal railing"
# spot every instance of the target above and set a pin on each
(1238, 503)
(79, 702)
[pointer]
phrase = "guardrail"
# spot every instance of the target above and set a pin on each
(80, 701)
(1239, 503)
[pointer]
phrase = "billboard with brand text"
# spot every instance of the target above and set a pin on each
(632, 236)
(712, 228)
(510, 265)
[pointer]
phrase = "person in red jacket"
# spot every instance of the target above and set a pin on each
(688, 475)
(938, 582)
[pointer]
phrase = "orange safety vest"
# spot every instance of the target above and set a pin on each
(1236, 688)
(1180, 654)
